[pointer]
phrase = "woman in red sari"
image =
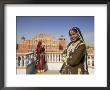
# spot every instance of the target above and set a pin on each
(40, 66)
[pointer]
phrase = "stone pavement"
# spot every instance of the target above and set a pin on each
(50, 72)
(91, 71)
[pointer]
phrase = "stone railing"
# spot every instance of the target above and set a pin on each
(54, 60)
(53, 57)
(25, 62)
(90, 61)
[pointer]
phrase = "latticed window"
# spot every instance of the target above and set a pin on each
(92, 57)
(92, 63)
(88, 57)
(88, 62)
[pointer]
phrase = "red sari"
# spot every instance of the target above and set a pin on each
(40, 57)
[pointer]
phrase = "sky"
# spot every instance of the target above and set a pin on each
(29, 26)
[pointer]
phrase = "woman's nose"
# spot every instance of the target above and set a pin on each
(72, 36)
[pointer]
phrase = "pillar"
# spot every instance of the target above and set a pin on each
(49, 57)
(52, 57)
(25, 61)
(21, 61)
(55, 57)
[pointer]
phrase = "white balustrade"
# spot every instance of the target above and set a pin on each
(24, 60)
(60, 58)
(21, 61)
(49, 58)
(46, 57)
(55, 57)
(52, 57)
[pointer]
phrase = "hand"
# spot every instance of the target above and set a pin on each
(65, 60)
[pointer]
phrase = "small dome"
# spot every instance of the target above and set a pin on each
(62, 36)
(23, 38)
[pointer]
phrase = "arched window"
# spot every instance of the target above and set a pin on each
(88, 62)
(88, 57)
(92, 63)
(92, 57)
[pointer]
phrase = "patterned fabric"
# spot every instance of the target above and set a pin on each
(72, 47)
(74, 57)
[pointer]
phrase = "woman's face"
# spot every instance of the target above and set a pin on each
(74, 36)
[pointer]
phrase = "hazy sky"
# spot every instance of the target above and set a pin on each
(29, 26)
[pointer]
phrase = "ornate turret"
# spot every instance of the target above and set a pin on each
(23, 39)
(62, 43)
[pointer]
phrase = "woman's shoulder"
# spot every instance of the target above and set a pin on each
(81, 44)
(69, 44)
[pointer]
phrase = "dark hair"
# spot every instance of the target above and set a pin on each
(76, 29)
(39, 44)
